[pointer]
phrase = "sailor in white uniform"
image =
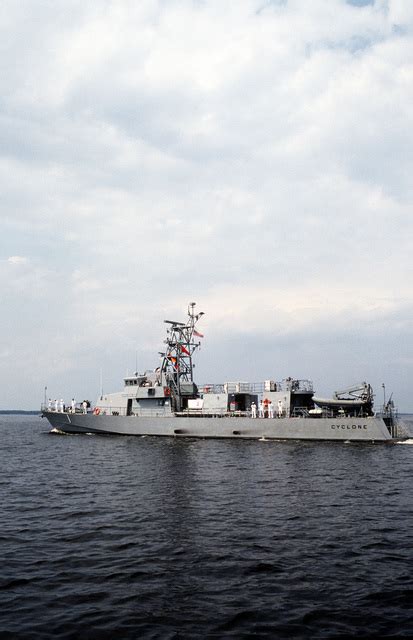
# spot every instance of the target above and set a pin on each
(253, 410)
(280, 408)
(270, 409)
(261, 410)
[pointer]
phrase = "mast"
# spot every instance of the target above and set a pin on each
(177, 366)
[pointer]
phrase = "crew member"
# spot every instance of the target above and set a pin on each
(280, 408)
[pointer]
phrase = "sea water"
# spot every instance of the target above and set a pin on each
(141, 537)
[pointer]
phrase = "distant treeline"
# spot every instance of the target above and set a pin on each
(18, 412)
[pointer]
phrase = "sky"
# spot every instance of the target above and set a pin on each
(254, 156)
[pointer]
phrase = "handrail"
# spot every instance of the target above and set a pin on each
(289, 384)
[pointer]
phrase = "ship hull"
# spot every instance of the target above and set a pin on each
(371, 429)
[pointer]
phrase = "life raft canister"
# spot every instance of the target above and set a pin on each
(96, 411)
(166, 391)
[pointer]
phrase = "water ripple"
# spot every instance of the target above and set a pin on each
(164, 538)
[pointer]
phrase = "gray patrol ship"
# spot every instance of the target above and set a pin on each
(167, 402)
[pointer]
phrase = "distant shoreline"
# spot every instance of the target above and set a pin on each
(14, 412)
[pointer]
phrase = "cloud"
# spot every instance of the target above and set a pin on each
(17, 260)
(255, 156)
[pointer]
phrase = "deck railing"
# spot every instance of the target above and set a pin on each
(288, 384)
